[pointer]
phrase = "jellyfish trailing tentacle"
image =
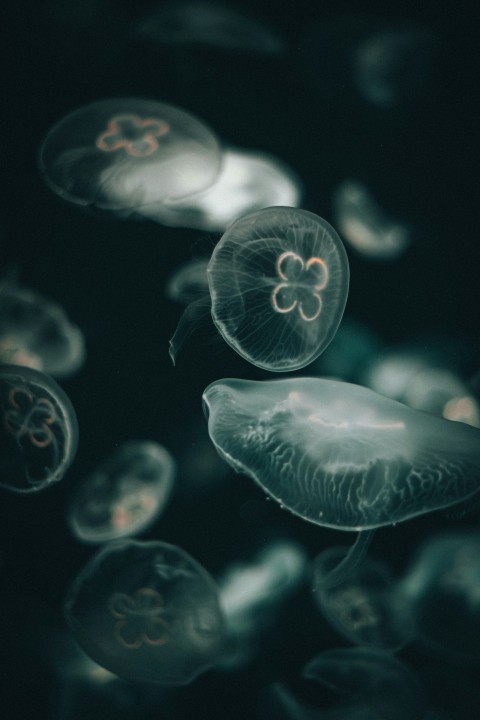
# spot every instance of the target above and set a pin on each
(354, 556)
(194, 316)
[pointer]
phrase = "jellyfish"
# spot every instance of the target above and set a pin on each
(278, 283)
(365, 226)
(146, 611)
(188, 282)
(443, 585)
(38, 432)
(367, 607)
(36, 333)
(123, 153)
(124, 495)
(202, 22)
(340, 455)
(248, 181)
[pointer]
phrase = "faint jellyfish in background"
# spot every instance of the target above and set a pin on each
(188, 282)
(123, 153)
(200, 22)
(369, 683)
(200, 467)
(365, 226)
(367, 607)
(124, 495)
(340, 455)
(36, 333)
(251, 595)
(147, 612)
(443, 585)
(351, 351)
(278, 283)
(248, 181)
(38, 430)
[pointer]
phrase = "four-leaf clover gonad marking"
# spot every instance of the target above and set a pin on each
(30, 417)
(139, 619)
(137, 137)
(300, 286)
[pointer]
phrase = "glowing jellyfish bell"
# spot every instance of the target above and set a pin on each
(124, 153)
(124, 495)
(38, 430)
(146, 611)
(278, 283)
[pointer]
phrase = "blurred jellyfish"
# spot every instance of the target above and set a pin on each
(147, 612)
(250, 595)
(123, 153)
(203, 22)
(365, 226)
(443, 585)
(339, 455)
(188, 282)
(124, 495)
(36, 333)
(395, 66)
(350, 352)
(278, 283)
(370, 684)
(248, 181)
(38, 432)
(367, 607)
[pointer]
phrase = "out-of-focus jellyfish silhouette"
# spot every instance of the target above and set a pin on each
(367, 607)
(188, 282)
(248, 181)
(38, 430)
(251, 593)
(203, 22)
(365, 226)
(36, 333)
(147, 612)
(340, 455)
(124, 495)
(443, 585)
(278, 283)
(123, 153)
(349, 354)
(369, 683)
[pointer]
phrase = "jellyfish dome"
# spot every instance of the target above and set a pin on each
(38, 430)
(35, 332)
(340, 455)
(146, 611)
(125, 494)
(124, 153)
(278, 283)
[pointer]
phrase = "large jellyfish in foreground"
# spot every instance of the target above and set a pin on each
(38, 430)
(339, 455)
(146, 611)
(278, 283)
(123, 153)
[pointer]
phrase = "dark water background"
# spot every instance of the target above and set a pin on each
(110, 274)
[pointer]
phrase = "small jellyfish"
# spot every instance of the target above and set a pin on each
(203, 22)
(124, 495)
(365, 226)
(146, 611)
(124, 153)
(367, 607)
(248, 181)
(188, 282)
(38, 431)
(36, 333)
(278, 283)
(340, 455)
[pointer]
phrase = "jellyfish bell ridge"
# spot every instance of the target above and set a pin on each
(278, 282)
(340, 455)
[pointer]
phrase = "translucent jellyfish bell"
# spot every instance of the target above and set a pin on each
(38, 430)
(278, 283)
(147, 612)
(124, 153)
(340, 455)
(188, 282)
(36, 333)
(125, 494)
